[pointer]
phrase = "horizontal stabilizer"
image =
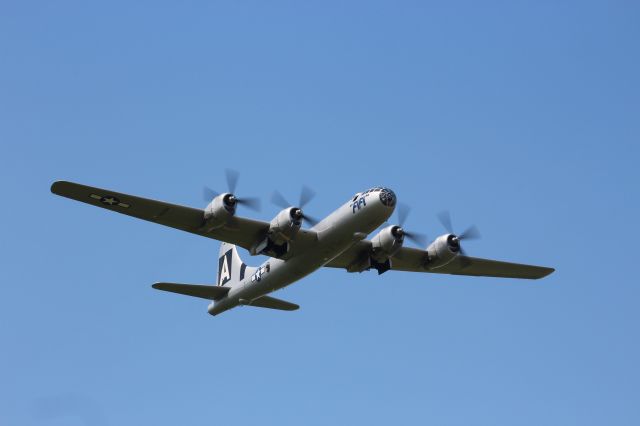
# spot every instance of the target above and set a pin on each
(204, 291)
(273, 303)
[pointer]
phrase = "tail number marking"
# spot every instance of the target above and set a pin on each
(257, 277)
(224, 268)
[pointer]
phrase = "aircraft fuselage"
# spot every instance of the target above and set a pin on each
(347, 225)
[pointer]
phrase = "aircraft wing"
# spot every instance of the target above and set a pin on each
(414, 260)
(240, 231)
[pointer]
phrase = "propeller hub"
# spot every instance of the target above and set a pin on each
(231, 200)
(398, 232)
(296, 213)
(454, 242)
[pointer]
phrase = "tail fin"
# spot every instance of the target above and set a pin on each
(231, 269)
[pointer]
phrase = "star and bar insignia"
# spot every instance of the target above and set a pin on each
(109, 200)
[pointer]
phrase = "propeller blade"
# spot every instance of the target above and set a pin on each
(403, 213)
(312, 220)
(232, 180)
(250, 203)
(306, 194)
(465, 262)
(445, 219)
(279, 200)
(208, 194)
(418, 238)
(471, 233)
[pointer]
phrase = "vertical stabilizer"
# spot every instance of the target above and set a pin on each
(231, 269)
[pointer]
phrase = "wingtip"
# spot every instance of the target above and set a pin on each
(55, 186)
(547, 272)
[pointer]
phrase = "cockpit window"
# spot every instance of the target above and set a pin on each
(387, 197)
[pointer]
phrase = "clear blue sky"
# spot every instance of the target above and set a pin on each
(521, 117)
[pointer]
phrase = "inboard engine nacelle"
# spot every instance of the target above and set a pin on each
(285, 225)
(282, 229)
(386, 243)
(220, 210)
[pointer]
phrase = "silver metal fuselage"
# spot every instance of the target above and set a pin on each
(336, 233)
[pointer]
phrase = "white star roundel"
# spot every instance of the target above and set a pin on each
(109, 200)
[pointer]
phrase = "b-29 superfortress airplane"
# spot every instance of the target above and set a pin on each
(337, 241)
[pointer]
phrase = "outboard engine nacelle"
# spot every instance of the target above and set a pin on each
(219, 211)
(443, 250)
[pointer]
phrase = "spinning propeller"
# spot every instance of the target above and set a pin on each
(306, 195)
(471, 233)
(416, 237)
(232, 182)
(403, 212)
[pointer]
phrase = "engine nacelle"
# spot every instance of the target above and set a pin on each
(443, 250)
(219, 211)
(386, 243)
(284, 227)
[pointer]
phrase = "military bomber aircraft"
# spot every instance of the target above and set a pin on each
(337, 241)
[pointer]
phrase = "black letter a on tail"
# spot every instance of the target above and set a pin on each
(231, 269)
(224, 268)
